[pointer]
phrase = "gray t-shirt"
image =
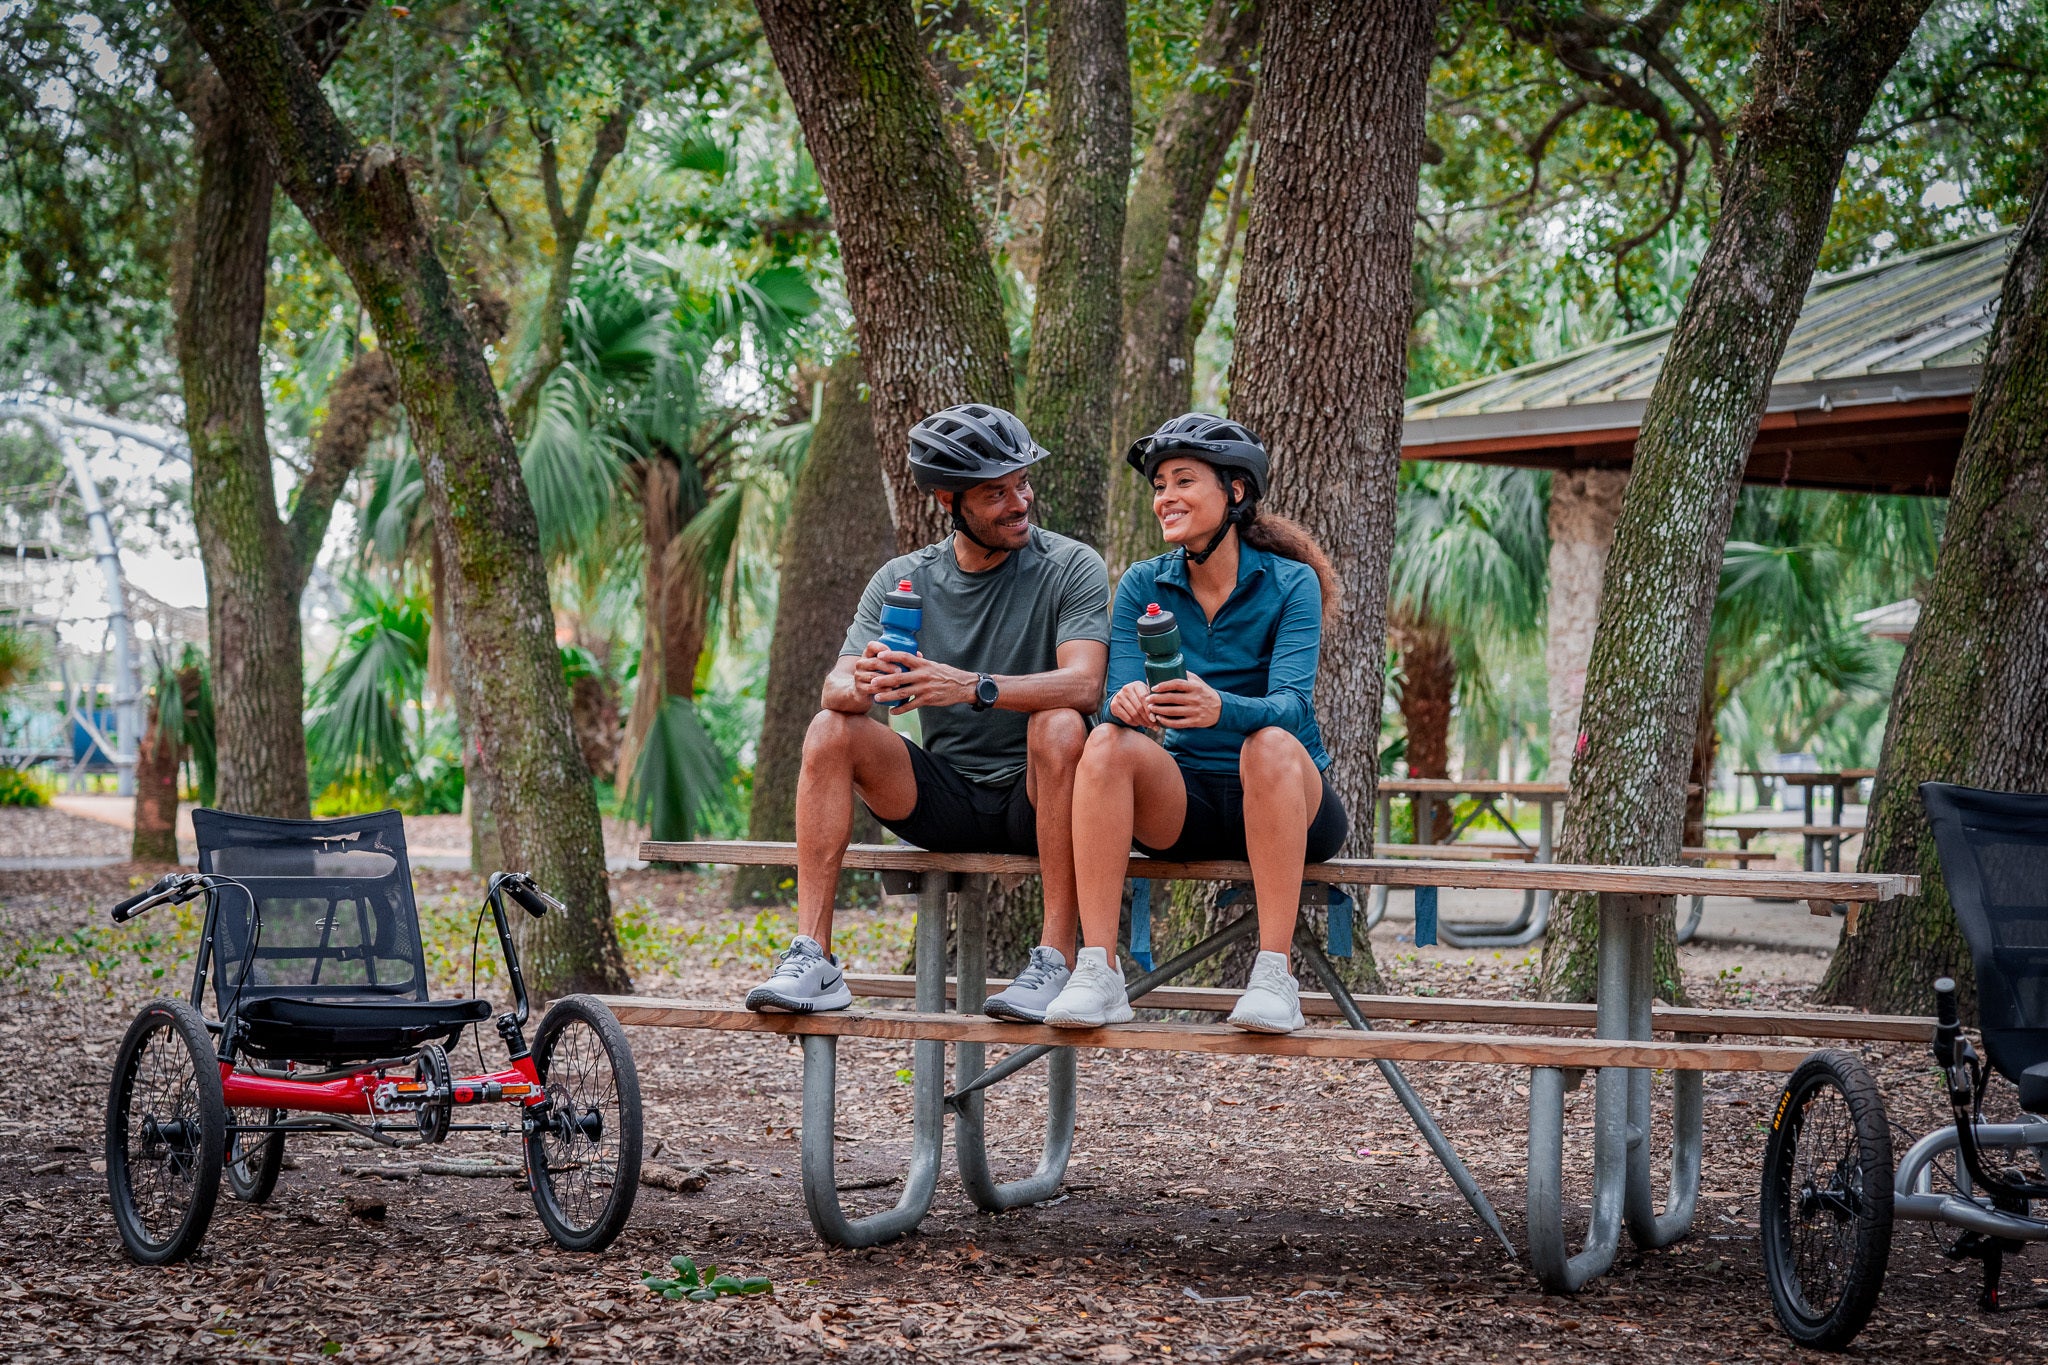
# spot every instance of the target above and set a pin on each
(1009, 620)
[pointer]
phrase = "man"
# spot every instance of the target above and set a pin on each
(1011, 656)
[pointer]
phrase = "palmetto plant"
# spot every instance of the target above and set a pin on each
(1465, 599)
(366, 723)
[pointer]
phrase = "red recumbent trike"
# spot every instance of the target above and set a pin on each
(313, 941)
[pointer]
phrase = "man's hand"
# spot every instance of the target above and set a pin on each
(1128, 705)
(906, 682)
(1183, 704)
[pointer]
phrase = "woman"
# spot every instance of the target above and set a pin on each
(1249, 592)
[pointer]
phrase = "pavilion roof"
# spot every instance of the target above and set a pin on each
(1872, 395)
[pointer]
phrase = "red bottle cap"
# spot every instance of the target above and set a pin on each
(1152, 609)
(904, 586)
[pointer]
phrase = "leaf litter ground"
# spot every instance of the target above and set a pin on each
(1219, 1209)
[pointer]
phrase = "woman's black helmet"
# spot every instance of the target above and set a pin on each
(1218, 441)
(1227, 447)
(969, 444)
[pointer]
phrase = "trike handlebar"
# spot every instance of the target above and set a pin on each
(172, 886)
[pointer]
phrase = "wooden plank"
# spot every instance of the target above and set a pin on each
(1740, 856)
(1220, 1039)
(1441, 786)
(1831, 830)
(1507, 853)
(1444, 1009)
(1651, 881)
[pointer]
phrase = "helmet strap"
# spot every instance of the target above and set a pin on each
(960, 525)
(1230, 519)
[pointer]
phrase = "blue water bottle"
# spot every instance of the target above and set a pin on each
(902, 614)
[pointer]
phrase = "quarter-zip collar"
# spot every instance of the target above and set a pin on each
(1251, 565)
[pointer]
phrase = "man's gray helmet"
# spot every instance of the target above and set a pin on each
(969, 444)
(1227, 447)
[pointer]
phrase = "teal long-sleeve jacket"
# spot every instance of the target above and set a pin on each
(1259, 653)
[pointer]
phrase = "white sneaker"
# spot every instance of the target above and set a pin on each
(1271, 1002)
(1094, 995)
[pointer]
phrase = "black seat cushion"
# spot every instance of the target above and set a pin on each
(352, 1030)
(2034, 1089)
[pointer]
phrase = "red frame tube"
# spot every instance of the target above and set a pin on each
(351, 1095)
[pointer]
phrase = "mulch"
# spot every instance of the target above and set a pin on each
(1218, 1209)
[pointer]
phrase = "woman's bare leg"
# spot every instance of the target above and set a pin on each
(1274, 765)
(1126, 784)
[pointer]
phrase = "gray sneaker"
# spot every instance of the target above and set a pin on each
(806, 981)
(1024, 999)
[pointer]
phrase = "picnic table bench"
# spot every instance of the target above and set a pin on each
(1822, 844)
(1621, 1048)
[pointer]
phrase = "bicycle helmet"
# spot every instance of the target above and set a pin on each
(971, 443)
(1227, 447)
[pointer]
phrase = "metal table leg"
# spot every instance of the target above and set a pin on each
(1425, 1123)
(970, 1148)
(1525, 928)
(1692, 920)
(1550, 1255)
(928, 1102)
(1648, 1228)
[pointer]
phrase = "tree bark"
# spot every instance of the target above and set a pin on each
(1429, 677)
(504, 657)
(1584, 504)
(1818, 66)
(255, 562)
(926, 307)
(1971, 702)
(1322, 320)
(1161, 267)
(156, 791)
(1070, 383)
(838, 532)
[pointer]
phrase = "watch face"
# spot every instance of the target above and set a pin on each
(986, 692)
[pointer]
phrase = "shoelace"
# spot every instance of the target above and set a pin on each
(1034, 975)
(794, 963)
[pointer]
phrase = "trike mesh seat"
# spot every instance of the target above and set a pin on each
(1994, 860)
(332, 968)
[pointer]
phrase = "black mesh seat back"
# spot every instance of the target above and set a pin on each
(336, 906)
(1994, 860)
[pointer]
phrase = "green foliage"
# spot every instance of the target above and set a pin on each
(681, 775)
(21, 655)
(686, 1281)
(181, 695)
(18, 788)
(357, 726)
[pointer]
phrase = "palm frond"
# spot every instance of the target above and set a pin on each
(681, 774)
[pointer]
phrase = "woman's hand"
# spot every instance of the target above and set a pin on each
(1128, 705)
(1184, 704)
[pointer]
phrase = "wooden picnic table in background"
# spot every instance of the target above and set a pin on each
(1842, 783)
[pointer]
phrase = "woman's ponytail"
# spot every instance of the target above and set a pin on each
(1289, 539)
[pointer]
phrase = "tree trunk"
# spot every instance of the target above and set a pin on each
(256, 563)
(1323, 305)
(926, 307)
(1706, 745)
(504, 657)
(1071, 381)
(1583, 506)
(1818, 66)
(1161, 250)
(1429, 677)
(838, 532)
(1322, 320)
(156, 791)
(1971, 702)
(251, 578)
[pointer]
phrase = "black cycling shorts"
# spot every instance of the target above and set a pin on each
(1214, 826)
(954, 815)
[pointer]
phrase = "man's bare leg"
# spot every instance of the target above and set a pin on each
(1054, 742)
(844, 756)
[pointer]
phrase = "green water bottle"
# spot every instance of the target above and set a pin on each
(1159, 637)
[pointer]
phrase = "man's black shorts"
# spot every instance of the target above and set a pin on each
(953, 815)
(1214, 825)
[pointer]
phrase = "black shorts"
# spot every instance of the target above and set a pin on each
(954, 815)
(1214, 826)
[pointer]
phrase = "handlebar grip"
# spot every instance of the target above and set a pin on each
(131, 907)
(1945, 1002)
(529, 899)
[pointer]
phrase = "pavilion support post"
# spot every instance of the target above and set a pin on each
(1584, 504)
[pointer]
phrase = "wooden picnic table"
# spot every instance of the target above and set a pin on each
(1622, 1049)
(1422, 792)
(1822, 844)
(1842, 783)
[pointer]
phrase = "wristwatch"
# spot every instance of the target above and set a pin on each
(985, 692)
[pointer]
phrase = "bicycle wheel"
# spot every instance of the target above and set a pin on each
(166, 1133)
(583, 1143)
(254, 1159)
(1827, 1201)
